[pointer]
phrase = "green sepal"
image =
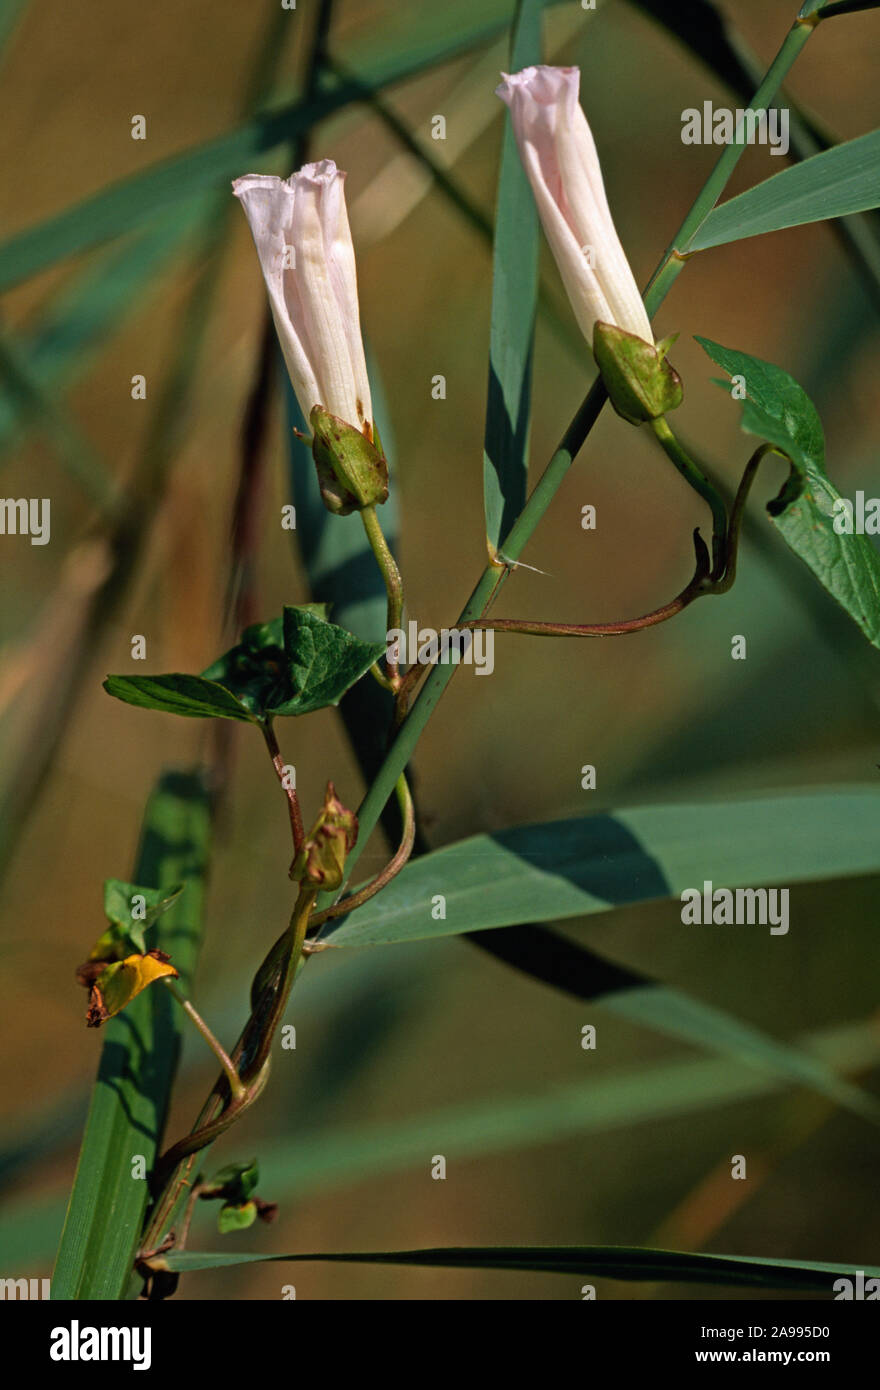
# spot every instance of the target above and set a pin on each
(641, 384)
(352, 470)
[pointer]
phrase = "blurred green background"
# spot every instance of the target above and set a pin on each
(416, 1035)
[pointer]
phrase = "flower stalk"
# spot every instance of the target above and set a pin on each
(393, 583)
(696, 478)
(236, 1086)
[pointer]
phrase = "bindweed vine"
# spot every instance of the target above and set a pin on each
(302, 661)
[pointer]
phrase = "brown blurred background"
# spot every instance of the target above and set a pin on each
(664, 715)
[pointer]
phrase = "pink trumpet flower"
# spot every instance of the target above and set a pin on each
(559, 156)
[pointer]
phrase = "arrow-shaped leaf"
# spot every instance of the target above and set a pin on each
(777, 409)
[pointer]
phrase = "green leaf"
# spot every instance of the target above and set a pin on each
(601, 1261)
(178, 693)
(291, 665)
(570, 868)
(138, 1061)
(234, 1216)
(835, 183)
(235, 1182)
(582, 867)
(119, 907)
(779, 410)
(514, 299)
(775, 406)
(325, 661)
(254, 671)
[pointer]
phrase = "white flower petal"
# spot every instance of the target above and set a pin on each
(314, 300)
(268, 206)
(559, 156)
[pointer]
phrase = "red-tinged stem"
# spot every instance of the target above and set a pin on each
(296, 822)
(699, 585)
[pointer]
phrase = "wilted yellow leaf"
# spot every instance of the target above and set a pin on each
(120, 982)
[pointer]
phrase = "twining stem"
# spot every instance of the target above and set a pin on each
(249, 1058)
(700, 483)
(391, 576)
(406, 690)
(488, 587)
(172, 1173)
(737, 512)
(296, 822)
(706, 578)
(378, 674)
(286, 954)
(671, 263)
(236, 1086)
(393, 867)
(716, 578)
(699, 585)
(196, 1191)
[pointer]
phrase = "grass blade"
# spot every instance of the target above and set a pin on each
(82, 317)
(348, 1155)
(138, 1061)
(835, 183)
(574, 868)
(589, 865)
(514, 300)
(630, 1263)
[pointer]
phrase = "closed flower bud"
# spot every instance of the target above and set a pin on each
(322, 859)
(301, 232)
(559, 156)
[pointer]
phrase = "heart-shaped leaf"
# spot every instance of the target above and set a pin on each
(291, 665)
(325, 661)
